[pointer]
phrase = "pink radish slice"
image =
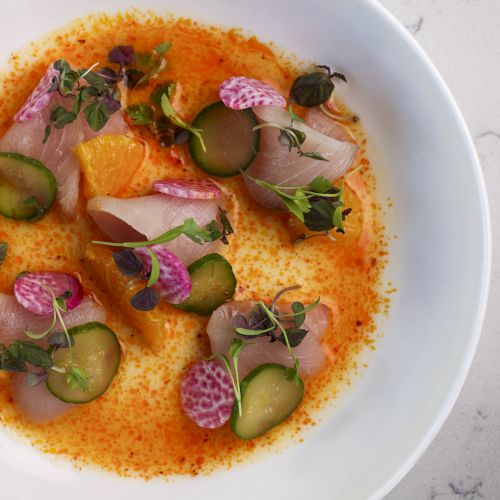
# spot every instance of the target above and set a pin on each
(174, 283)
(39, 98)
(207, 395)
(193, 189)
(33, 291)
(240, 92)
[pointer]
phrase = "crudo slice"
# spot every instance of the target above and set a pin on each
(27, 187)
(269, 395)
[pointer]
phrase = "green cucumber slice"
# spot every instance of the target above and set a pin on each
(268, 398)
(96, 352)
(213, 284)
(27, 187)
(231, 143)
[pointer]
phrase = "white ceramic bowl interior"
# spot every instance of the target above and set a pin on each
(425, 161)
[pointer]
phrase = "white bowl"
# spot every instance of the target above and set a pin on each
(440, 263)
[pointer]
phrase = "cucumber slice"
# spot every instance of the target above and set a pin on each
(96, 353)
(27, 187)
(267, 399)
(213, 284)
(231, 143)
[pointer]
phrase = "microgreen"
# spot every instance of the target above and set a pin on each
(154, 274)
(234, 352)
(140, 114)
(78, 378)
(35, 379)
(171, 114)
(10, 363)
(154, 63)
(127, 262)
(266, 320)
(227, 229)
(145, 300)
(30, 353)
(3, 251)
(59, 305)
(189, 228)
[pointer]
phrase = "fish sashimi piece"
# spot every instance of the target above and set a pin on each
(36, 404)
(14, 318)
(316, 119)
(147, 217)
(260, 350)
(276, 164)
(56, 154)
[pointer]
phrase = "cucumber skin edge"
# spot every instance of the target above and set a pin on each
(244, 384)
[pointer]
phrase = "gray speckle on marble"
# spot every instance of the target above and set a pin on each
(416, 26)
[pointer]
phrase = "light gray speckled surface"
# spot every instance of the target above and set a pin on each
(462, 37)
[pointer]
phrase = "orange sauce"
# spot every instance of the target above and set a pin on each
(138, 428)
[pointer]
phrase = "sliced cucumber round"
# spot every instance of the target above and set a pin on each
(27, 187)
(268, 398)
(90, 365)
(213, 284)
(230, 141)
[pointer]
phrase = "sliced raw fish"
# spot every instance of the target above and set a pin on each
(14, 318)
(36, 404)
(316, 119)
(276, 164)
(260, 350)
(147, 217)
(56, 154)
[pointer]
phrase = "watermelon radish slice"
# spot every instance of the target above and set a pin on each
(33, 291)
(174, 284)
(207, 395)
(240, 92)
(39, 98)
(193, 189)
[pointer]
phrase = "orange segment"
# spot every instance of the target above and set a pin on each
(108, 163)
(150, 324)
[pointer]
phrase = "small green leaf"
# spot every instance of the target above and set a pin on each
(9, 363)
(315, 156)
(248, 332)
(293, 208)
(167, 88)
(3, 251)
(79, 379)
(294, 117)
(144, 59)
(163, 48)
(235, 348)
(96, 81)
(140, 114)
(155, 268)
(338, 220)
(46, 134)
(300, 317)
(295, 336)
(30, 353)
(96, 115)
(320, 185)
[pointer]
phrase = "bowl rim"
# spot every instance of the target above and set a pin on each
(447, 405)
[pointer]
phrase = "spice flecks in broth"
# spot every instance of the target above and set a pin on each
(138, 428)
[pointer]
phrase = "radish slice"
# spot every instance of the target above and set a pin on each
(39, 98)
(207, 395)
(33, 291)
(194, 189)
(240, 92)
(174, 283)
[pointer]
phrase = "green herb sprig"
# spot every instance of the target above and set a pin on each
(266, 320)
(235, 349)
(291, 137)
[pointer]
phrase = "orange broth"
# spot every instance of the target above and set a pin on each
(138, 428)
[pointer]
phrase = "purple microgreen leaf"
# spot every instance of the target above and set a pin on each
(60, 340)
(145, 300)
(112, 105)
(127, 262)
(35, 379)
(122, 55)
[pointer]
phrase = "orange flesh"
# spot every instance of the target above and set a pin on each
(138, 427)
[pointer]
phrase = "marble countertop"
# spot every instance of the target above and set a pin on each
(462, 37)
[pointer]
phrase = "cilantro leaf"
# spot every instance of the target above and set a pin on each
(79, 379)
(320, 185)
(140, 114)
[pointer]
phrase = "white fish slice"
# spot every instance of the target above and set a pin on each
(147, 217)
(275, 164)
(309, 353)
